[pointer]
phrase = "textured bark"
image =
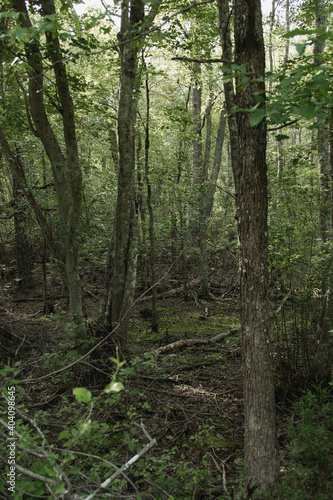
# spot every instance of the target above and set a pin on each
(261, 453)
(321, 369)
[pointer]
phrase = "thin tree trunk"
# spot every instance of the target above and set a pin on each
(216, 167)
(126, 225)
(196, 154)
(270, 43)
(151, 215)
(228, 86)
(260, 439)
(323, 138)
(287, 46)
(17, 170)
(23, 252)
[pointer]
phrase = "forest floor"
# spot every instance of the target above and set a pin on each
(190, 401)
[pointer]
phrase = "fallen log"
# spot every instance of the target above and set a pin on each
(180, 344)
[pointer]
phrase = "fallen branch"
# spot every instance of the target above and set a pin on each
(126, 466)
(180, 344)
(283, 303)
(29, 473)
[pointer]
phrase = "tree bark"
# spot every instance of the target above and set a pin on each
(261, 453)
(321, 369)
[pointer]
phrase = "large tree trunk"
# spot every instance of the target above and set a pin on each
(321, 369)
(261, 453)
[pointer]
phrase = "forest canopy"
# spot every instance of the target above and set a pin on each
(166, 179)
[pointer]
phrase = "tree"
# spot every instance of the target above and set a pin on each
(22, 243)
(122, 278)
(321, 369)
(65, 166)
(261, 453)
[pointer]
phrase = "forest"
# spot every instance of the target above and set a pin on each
(166, 252)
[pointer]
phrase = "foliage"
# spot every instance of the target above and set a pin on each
(298, 93)
(310, 432)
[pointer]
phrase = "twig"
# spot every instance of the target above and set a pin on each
(282, 126)
(122, 469)
(27, 472)
(224, 478)
(281, 306)
(109, 334)
(21, 344)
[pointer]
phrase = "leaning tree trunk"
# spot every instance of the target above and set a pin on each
(65, 166)
(260, 440)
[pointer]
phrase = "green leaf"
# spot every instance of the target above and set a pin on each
(308, 111)
(82, 394)
(300, 47)
(306, 31)
(85, 427)
(60, 489)
(281, 137)
(63, 435)
(257, 116)
(114, 387)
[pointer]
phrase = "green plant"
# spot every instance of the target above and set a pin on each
(50, 467)
(310, 431)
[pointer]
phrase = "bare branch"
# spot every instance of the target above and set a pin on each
(180, 344)
(122, 469)
(282, 126)
(203, 61)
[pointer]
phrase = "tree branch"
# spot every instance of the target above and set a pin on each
(282, 126)
(203, 61)
(175, 346)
